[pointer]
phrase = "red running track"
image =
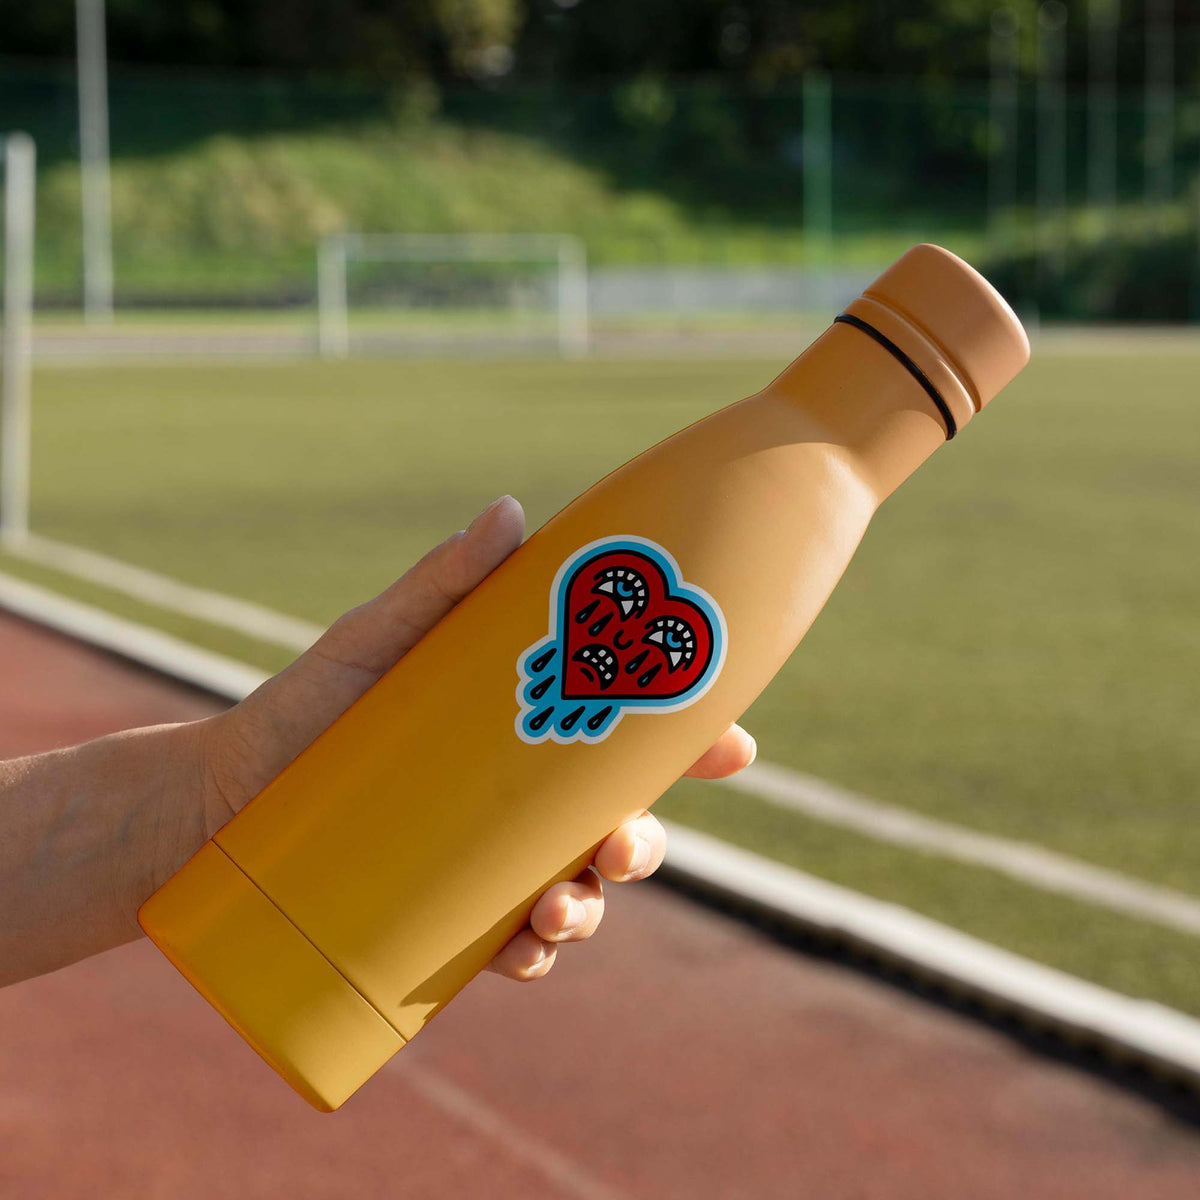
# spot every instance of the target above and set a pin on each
(677, 1055)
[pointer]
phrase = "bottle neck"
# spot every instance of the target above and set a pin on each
(869, 402)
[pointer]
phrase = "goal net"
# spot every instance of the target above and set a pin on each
(394, 293)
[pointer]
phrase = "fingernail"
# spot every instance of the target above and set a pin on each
(753, 748)
(495, 503)
(640, 859)
(531, 969)
(574, 915)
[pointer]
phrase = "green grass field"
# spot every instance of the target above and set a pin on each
(1016, 647)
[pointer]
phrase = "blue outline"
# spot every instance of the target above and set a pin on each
(675, 587)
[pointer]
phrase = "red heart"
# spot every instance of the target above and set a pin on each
(625, 636)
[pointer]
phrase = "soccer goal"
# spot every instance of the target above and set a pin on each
(18, 334)
(381, 293)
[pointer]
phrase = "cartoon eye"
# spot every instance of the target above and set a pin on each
(675, 638)
(598, 661)
(626, 587)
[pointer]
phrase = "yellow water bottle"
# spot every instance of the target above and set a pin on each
(380, 871)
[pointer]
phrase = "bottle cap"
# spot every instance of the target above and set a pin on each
(970, 323)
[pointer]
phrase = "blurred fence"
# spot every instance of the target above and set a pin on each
(223, 184)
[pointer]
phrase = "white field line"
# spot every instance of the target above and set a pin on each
(781, 786)
(574, 1178)
(216, 608)
(213, 672)
(1152, 1030)
(1149, 1029)
(1023, 861)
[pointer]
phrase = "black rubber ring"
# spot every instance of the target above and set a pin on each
(913, 369)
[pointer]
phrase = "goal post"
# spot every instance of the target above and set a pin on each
(561, 258)
(15, 432)
(333, 302)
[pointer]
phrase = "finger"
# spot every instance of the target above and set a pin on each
(524, 958)
(633, 851)
(569, 912)
(732, 751)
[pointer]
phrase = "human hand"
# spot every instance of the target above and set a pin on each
(246, 747)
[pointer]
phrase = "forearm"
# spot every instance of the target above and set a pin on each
(86, 834)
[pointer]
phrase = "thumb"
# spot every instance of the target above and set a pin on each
(376, 635)
(280, 718)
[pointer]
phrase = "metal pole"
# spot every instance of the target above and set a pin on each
(333, 319)
(19, 173)
(818, 164)
(1159, 147)
(1103, 19)
(1003, 116)
(1051, 145)
(93, 158)
(572, 298)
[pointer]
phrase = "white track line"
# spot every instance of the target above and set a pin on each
(1149, 1029)
(515, 1142)
(179, 659)
(1167, 1037)
(775, 784)
(781, 786)
(1030, 864)
(216, 608)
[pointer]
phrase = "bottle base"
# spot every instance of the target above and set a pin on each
(243, 955)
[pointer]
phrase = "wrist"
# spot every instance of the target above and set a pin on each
(221, 790)
(180, 821)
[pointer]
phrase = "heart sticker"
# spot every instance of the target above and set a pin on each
(627, 634)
